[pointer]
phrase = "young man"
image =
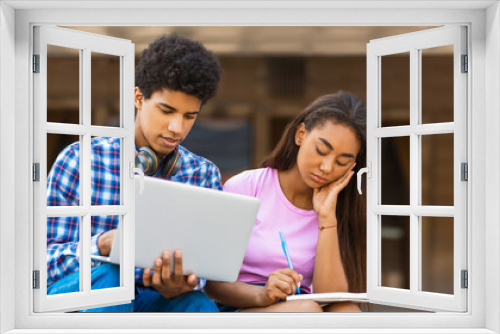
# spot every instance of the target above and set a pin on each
(174, 78)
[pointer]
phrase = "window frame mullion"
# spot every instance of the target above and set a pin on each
(85, 168)
(415, 175)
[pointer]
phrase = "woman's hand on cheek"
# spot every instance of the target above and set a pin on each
(325, 198)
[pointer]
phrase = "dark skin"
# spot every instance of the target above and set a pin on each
(170, 285)
(163, 121)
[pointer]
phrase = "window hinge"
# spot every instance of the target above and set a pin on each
(465, 64)
(36, 63)
(465, 279)
(464, 172)
(36, 279)
(36, 172)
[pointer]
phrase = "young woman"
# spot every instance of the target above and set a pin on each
(305, 193)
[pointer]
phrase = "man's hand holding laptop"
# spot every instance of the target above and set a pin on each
(169, 285)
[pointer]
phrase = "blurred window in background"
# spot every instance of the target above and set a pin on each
(227, 142)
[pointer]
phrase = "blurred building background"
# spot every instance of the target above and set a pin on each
(270, 75)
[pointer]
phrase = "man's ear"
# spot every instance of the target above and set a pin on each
(138, 98)
(300, 134)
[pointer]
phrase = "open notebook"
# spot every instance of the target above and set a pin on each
(332, 297)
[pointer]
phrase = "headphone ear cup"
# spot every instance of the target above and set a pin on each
(172, 164)
(177, 164)
(146, 160)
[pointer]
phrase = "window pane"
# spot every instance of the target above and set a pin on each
(396, 251)
(395, 81)
(395, 171)
(63, 85)
(437, 254)
(437, 170)
(63, 170)
(62, 254)
(105, 90)
(111, 272)
(105, 166)
(437, 84)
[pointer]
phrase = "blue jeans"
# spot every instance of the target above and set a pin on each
(108, 275)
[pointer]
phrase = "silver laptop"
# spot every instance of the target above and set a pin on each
(211, 228)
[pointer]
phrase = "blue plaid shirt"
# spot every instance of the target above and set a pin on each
(62, 190)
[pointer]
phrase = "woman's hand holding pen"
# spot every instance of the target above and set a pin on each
(279, 285)
(325, 198)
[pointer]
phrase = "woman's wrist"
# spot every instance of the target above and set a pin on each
(262, 299)
(327, 220)
(327, 227)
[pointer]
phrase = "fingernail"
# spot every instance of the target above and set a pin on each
(158, 262)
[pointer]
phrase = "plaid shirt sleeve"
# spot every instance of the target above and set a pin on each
(63, 232)
(213, 179)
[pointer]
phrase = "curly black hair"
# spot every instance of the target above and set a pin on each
(178, 64)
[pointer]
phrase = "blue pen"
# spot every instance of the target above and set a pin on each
(285, 250)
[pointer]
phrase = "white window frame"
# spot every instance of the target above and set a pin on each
(85, 43)
(414, 43)
(16, 21)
